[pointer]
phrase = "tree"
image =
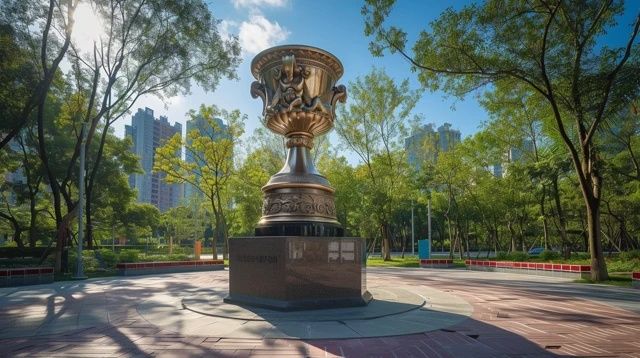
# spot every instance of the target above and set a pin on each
(148, 47)
(35, 38)
(373, 127)
(211, 164)
(140, 220)
(549, 48)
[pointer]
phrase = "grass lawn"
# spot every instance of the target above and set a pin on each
(407, 261)
(615, 279)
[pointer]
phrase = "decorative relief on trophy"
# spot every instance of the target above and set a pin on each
(302, 204)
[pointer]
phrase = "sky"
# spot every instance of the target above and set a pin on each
(336, 26)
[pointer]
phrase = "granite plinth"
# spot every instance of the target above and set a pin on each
(295, 272)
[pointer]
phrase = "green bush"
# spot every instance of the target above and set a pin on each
(129, 255)
(624, 266)
(548, 255)
(89, 261)
(178, 257)
(518, 256)
(580, 256)
(502, 256)
(630, 255)
(109, 258)
(174, 257)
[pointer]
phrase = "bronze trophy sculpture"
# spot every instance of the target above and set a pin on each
(299, 258)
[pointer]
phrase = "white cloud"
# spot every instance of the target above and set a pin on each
(258, 33)
(227, 28)
(258, 3)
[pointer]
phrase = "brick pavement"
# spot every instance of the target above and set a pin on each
(512, 317)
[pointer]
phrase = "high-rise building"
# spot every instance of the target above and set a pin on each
(512, 155)
(147, 134)
(203, 127)
(425, 143)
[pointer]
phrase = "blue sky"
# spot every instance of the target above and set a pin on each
(336, 26)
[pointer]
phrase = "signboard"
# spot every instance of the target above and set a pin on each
(424, 249)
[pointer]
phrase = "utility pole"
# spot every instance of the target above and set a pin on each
(413, 234)
(79, 265)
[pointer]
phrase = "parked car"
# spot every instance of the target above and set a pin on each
(536, 251)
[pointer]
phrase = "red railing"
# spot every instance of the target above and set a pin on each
(27, 271)
(436, 262)
(164, 264)
(538, 266)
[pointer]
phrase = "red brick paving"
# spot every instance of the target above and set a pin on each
(507, 322)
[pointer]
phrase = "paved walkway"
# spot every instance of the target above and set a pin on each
(452, 313)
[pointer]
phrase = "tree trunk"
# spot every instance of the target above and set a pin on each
(386, 243)
(598, 264)
(17, 236)
(562, 229)
(32, 222)
(512, 233)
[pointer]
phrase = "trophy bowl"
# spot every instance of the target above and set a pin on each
(297, 84)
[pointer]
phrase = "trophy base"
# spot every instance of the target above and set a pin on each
(299, 228)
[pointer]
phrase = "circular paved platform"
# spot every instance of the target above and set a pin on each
(510, 315)
(394, 311)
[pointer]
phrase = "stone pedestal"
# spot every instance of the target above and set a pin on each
(295, 272)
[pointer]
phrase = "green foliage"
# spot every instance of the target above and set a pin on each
(624, 265)
(630, 255)
(108, 257)
(211, 166)
(173, 257)
(524, 59)
(518, 256)
(373, 126)
(395, 262)
(548, 255)
(128, 255)
(89, 261)
(580, 256)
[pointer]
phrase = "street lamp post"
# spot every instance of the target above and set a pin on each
(79, 264)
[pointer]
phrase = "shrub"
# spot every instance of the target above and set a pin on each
(89, 261)
(548, 255)
(174, 257)
(623, 266)
(108, 257)
(502, 256)
(518, 256)
(129, 255)
(580, 256)
(178, 257)
(630, 255)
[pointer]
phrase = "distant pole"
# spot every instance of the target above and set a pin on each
(429, 222)
(413, 234)
(79, 265)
